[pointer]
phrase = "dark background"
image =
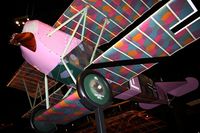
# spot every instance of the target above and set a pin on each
(14, 103)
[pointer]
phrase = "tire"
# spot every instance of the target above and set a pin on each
(41, 126)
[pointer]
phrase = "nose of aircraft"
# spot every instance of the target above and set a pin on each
(25, 39)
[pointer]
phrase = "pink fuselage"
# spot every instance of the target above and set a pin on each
(48, 48)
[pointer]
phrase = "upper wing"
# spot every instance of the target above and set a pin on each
(151, 38)
(121, 14)
(30, 79)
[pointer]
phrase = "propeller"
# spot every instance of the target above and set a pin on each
(25, 39)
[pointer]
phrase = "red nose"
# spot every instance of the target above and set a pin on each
(25, 39)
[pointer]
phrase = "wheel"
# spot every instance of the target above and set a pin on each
(41, 126)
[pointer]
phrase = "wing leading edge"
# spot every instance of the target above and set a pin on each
(120, 14)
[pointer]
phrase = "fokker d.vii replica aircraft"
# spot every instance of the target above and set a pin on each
(68, 52)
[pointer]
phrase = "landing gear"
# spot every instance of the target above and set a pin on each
(41, 126)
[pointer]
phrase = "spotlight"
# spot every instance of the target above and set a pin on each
(20, 21)
(17, 22)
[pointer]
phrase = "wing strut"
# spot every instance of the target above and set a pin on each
(76, 28)
(46, 91)
(83, 17)
(104, 25)
(29, 99)
(32, 105)
(67, 21)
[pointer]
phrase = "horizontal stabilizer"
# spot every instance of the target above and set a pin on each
(179, 88)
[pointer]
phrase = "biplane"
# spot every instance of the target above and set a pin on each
(137, 34)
